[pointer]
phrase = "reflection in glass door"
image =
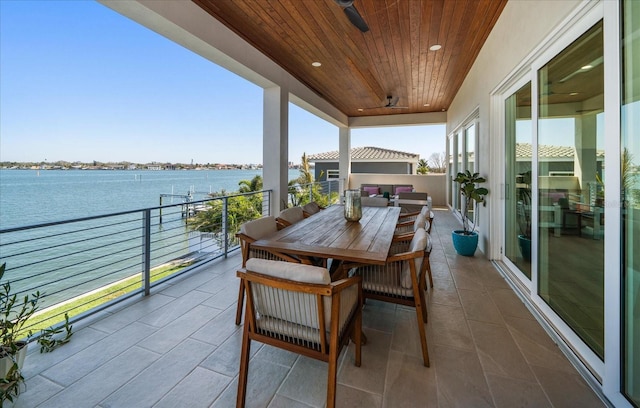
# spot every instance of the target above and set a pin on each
(518, 138)
(630, 159)
(459, 168)
(470, 159)
(571, 180)
(450, 172)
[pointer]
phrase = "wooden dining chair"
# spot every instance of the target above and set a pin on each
(401, 244)
(409, 227)
(401, 280)
(290, 216)
(250, 232)
(297, 308)
(311, 208)
(426, 211)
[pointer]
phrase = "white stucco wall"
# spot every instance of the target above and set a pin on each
(520, 28)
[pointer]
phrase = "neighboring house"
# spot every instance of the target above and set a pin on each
(559, 160)
(365, 160)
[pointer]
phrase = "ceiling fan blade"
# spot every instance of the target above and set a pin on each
(355, 18)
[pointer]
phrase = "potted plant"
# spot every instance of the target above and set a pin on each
(465, 241)
(14, 313)
(523, 213)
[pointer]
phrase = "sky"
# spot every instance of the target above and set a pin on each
(79, 82)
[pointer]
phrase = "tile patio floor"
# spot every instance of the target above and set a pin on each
(180, 348)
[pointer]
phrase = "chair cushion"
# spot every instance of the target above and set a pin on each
(403, 189)
(372, 190)
(290, 271)
(292, 215)
(420, 222)
(374, 201)
(260, 228)
(386, 188)
(418, 243)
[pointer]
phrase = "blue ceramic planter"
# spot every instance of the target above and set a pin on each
(465, 244)
(525, 247)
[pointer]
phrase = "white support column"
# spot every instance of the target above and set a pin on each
(275, 146)
(345, 158)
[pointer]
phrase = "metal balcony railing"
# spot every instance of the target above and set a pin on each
(83, 265)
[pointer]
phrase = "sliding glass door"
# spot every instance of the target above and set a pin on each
(571, 181)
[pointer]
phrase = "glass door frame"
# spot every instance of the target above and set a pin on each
(458, 138)
(530, 285)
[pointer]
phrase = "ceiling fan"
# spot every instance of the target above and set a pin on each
(548, 91)
(392, 103)
(353, 15)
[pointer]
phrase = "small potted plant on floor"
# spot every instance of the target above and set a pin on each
(465, 241)
(14, 313)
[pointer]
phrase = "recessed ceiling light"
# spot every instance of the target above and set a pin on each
(316, 64)
(586, 67)
(426, 104)
(360, 109)
(443, 109)
(574, 94)
(435, 47)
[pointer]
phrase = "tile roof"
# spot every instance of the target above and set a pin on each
(549, 151)
(367, 153)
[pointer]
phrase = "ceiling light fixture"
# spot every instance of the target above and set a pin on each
(574, 94)
(435, 47)
(426, 104)
(360, 109)
(316, 64)
(586, 67)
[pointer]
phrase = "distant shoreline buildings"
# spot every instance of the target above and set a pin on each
(153, 166)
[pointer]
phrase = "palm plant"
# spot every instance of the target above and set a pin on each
(248, 186)
(423, 167)
(472, 195)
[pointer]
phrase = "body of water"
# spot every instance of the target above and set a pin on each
(30, 197)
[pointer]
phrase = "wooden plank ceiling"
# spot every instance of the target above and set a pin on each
(360, 70)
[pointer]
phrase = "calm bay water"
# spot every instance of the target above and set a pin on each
(30, 197)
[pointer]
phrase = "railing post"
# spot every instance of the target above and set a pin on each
(225, 224)
(146, 252)
(160, 209)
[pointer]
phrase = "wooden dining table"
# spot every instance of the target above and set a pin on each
(329, 235)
